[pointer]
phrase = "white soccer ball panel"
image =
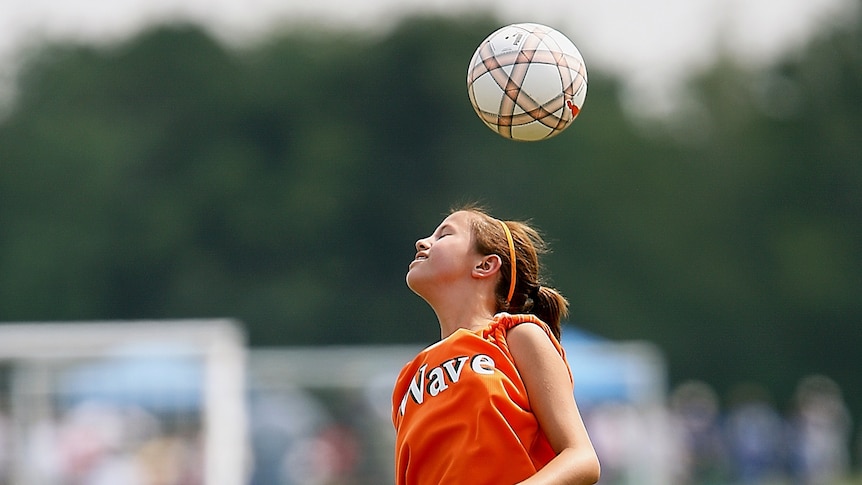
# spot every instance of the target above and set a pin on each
(542, 83)
(534, 131)
(507, 39)
(560, 42)
(486, 94)
(580, 94)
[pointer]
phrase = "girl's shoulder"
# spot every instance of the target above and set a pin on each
(524, 330)
(504, 323)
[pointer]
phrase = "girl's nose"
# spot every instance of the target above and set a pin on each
(422, 244)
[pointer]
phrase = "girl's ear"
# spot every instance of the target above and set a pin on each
(487, 266)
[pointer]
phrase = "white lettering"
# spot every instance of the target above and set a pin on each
(482, 364)
(436, 382)
(454, 366)
(415, 389)
(439, 378)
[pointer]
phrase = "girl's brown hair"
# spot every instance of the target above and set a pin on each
(530, 296)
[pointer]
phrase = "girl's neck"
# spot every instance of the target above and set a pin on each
(453, 319)
(464, 306)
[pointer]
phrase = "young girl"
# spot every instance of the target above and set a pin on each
(492, 402)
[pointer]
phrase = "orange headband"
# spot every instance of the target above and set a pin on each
(512, 259)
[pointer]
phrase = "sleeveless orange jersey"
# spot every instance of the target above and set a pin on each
(461, 412)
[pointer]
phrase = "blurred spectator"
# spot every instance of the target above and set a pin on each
(694, 407)
(282, 421)
(328, 458)
(613, 430)
(4, 449)
(755, 436)
(636, 445)
(821, 425)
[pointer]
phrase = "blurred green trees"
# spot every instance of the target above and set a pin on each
(285, 184)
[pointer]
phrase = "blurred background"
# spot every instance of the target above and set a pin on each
(273, 163)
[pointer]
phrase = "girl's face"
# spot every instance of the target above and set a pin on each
(444, 257)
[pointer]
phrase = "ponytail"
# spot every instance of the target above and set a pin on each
(550, 307)
(519, 289)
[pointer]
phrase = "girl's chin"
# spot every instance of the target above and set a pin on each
(413, 282)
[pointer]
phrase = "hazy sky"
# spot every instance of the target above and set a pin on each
(649, 44)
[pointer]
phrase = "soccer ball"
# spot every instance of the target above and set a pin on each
(527, 82)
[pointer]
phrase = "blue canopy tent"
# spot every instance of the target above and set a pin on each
(604, 370)
(159, 378)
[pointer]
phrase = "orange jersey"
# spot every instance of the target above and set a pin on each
(462, 415)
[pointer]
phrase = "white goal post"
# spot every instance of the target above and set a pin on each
(43, 364)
